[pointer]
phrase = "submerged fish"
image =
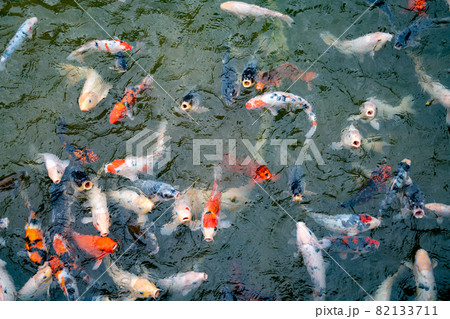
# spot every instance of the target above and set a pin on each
(309, 247)
(376, 183)
(440, 210)
(296, 183)
(81, 155)
(96, 246)
(426, 289)
(12, 181)
(287, 70)
(350, 245)
(125, 105)
(230, 82)
(348, 224)
(121, 62)
(373, 109)
(250, 73)
(438, 92)
(406, 37)
(257, 172)
(38, 285)
(397, 184)
(94, 89)
(55, 166)
(111, 46)
(368, 43)
(25, 31)
(7, 287)
(383, 292)
(157, 190)
(420, 6)
(139, 287)
(143, 233)
(383, 6)
(242, 9)
(271, 100)
(183, 282)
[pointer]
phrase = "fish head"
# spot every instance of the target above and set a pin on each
(81, 179)
(352, 137)
(402, 39)
(422, 261)
(195, 278)
(145, 203)
(297, 197)
(209, 223)
(227, 6)
(186, 105)
(304, 235)
(88, 101)
(169, 193)
(144, 289)
(44, 274)
(369, 221)
(102, 222)
(125, 46)
(55, 173)
(263, 172)
(208, 233)
(368, 110)
(32, 22)
(114, 166)
(106, 244)
(418, 212)
(183, 212)
(248, 77)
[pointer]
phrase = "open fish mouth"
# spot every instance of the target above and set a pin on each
(247, 83)
(186, 106)
(418, 213)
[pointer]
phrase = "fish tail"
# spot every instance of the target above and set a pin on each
(74, 74)
(287, 19)
(328, 38)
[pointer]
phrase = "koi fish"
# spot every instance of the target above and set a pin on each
(191, 102)
(383, 6)
(96, 246)
(383, 292)
(376, 182)
(420, 6)
(99, 209)
(258, 173)
(183, 282)
(55, 166)
(12, 181)
(34, 238)
(139, 287)
(131, 166)
(250, 73)
(286, 70)
(132, 200)
(440, 210)
(426, 289)
(111, 46)
(144, 233)
(163, 191)
(350, 244)
(439, 93)
(7, 287)
(81, 155)
(374, 109)
(309, 247)
(25, 31)
(368, 43)
(38, 285)
(271, 100)
(124, 106)
(94, 89)
(397, 184)
(230, 82)
(347, 224)
(242, 10)
(211, 214)
(406, 37)
(296, 183)
(65, 279)
(350, 139)
(121, 63)
(415, 200)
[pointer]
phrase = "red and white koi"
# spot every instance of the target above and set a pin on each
(25, 31)
(97, 201)
(347, 224)
(111, 46)
(55, 166)
(94, 89)
(271, 100)
(310, 249)
(368, 43)
(242, 9)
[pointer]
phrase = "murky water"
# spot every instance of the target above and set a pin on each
(181, 44)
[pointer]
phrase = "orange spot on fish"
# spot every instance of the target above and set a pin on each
(263, 172)
(365, 218)
(345, 239)
(355, 240)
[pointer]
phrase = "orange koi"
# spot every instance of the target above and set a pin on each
(286, 70)
(96, 246)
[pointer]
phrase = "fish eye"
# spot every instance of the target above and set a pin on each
(141, 292)
(215, 228)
